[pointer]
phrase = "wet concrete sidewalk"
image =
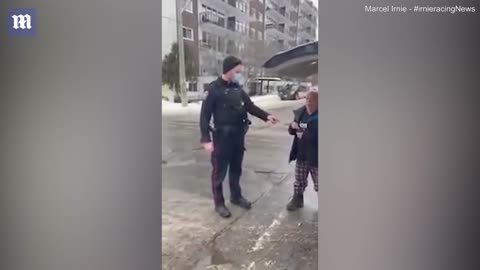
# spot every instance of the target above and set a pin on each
(194, 237)
(269, 236)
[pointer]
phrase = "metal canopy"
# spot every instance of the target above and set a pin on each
(298, 62)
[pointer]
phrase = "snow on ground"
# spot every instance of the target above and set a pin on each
(266, 102)
(170, 108)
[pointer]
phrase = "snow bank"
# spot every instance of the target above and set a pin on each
(265, 102)
(265, 99)
(170, 108)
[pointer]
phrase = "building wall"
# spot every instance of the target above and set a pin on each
(257, 10)
(190, 20)
(308, 26)
(209, 60)
(283, 16)
(216, 42)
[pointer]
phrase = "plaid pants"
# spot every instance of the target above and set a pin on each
(302, 169)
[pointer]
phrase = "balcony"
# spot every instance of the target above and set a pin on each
(210, 17)
(309, 4)
(306, 22)
(307, 34)
(210, 48)
(277, 14)
(225, 27)
(278, 30)
(308, 30)
(277, 46)
(229, 7)
(237, 30)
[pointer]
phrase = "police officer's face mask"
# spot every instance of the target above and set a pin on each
(238, 78)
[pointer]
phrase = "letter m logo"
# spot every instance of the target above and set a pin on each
(22, 22)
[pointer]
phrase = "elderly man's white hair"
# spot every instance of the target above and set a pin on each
(313, 93)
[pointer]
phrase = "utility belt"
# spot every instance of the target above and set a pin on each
(242, 127)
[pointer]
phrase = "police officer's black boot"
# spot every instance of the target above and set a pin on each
(295, 203)
(242, 202)
(222, 211)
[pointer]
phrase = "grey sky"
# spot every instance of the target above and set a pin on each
(169, 33)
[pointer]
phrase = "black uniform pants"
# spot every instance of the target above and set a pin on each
(229, 146)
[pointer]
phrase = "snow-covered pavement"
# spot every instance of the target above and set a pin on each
(266, 102)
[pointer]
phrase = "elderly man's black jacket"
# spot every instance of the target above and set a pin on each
(305, 148)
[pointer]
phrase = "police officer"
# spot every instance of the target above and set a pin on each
(229, 105)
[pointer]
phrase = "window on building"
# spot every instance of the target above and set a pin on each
(192, 87)
(241, 27)
(242, 6)
(189, 6)
(204, 41)
(187, 33)
(245, 7)
(212, 41)
(221, 44)
(231, 48)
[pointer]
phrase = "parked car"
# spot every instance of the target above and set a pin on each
(263, 85)
(292, 92)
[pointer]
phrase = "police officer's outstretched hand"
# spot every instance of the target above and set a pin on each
(272, 119)
(208, 147)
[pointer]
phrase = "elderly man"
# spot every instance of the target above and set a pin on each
(304, 150)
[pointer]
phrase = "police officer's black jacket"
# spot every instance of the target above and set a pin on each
(229, 105)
